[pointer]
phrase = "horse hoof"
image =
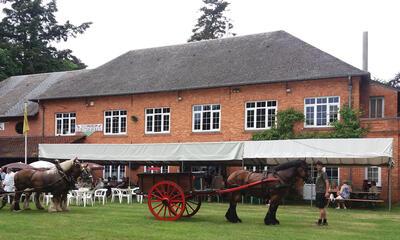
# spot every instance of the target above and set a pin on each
(239, 220)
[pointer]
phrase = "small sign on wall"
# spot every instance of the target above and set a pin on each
(2, 127)
(86, 128)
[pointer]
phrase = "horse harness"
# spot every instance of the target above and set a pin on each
(69, 179)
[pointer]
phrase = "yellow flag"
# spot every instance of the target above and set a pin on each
(26, 125)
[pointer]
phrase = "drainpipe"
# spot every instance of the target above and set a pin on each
(350, 89)
(43, 114)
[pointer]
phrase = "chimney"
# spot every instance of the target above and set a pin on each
(365, 51)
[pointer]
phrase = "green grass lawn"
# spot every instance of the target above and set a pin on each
(123, 221)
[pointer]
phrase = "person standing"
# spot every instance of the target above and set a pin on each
(322, 193)
(8, 184)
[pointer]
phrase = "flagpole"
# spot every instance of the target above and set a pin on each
(26, 147)
(26, 130)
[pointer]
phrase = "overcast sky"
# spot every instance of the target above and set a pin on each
(333, 26)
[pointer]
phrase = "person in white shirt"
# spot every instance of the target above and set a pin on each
(9, 181)
(8, 184)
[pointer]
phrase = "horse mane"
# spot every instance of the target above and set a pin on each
(283, 166)
(66, 165)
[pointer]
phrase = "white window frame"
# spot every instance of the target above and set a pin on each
(119, 175)
(2, 126)
(255, 114)
(162, 120)
(253, 168)
(383, 107)
(211, 117)
(119, 122)
(315, 104)
(62, 120)
(153, 171)
(338, 172)
(379, 182)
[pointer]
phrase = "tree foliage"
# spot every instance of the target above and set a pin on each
(27, 33)
(348, 126)
(213, 23)
(395, 82)
(283, 129)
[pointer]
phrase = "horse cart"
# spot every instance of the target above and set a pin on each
(173, 195)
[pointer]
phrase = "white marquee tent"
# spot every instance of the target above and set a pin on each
(340, 152)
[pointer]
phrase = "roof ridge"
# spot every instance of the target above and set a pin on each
(189, 43)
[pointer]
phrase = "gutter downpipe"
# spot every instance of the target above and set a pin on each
(43, 113)
(350, 90)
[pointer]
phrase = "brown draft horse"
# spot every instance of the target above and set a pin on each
(49, 181)
(290, 175)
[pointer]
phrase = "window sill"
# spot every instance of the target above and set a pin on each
(115, 135)
(205, 132)
(255, 130)
(157, 134)
(318, 128)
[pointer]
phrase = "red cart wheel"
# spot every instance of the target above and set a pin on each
(193, 205)
(166, 201)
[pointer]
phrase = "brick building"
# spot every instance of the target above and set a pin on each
(218, 90)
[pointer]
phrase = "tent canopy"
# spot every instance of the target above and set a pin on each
(360, 151)
(164, 152)
(355, 151)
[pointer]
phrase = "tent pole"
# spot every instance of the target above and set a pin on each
(312, 179)
(129, 176)
(390, 186)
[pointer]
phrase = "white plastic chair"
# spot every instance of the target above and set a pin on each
(87, 197)
(72, 195)
(126, 193)
(139, 197)
(47, 198)
(115, 192)
(101, 194)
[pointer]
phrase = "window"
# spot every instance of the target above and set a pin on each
(206, 118)
(321, 111)
(260, 115)
(157, 120)
(65, 123)
(19, 127)
(115, 122)
(333, 174)
(114, 171)
(376, 107)
(256, 168)
(373, 174)
(155, 169)
(2, 128)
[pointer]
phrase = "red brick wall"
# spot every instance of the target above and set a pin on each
(232, 109)
(35, 126)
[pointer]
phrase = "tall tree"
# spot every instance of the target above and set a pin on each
(27, 33)
(213, 23)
